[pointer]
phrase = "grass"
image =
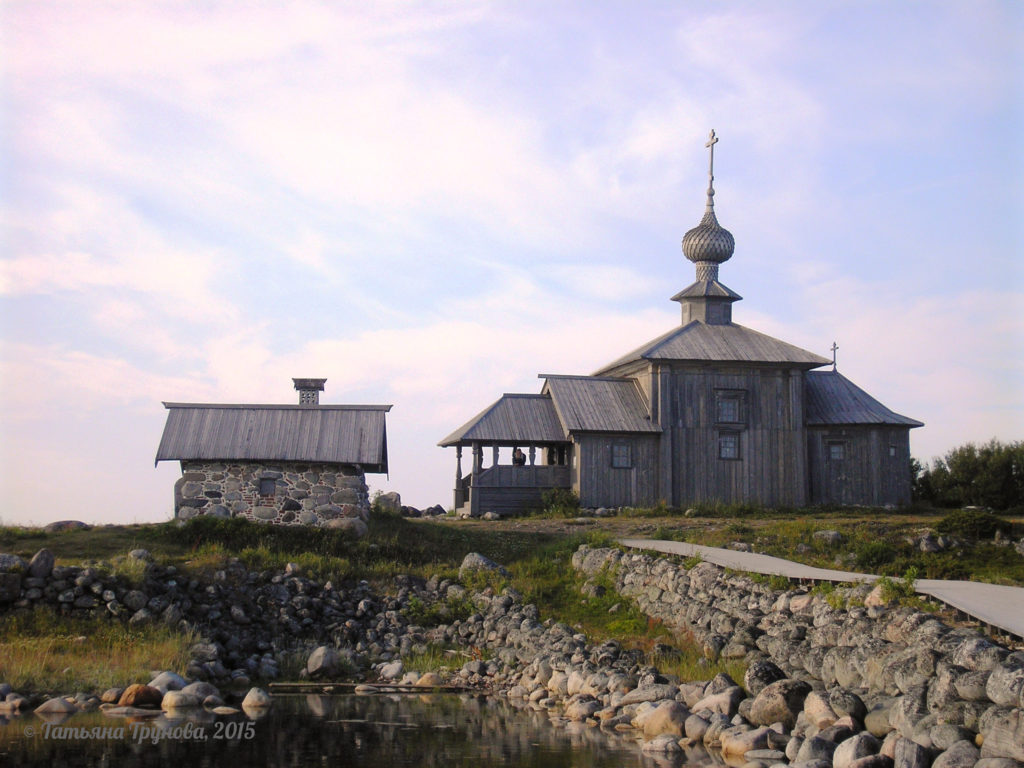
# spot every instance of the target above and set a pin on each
(43, 651)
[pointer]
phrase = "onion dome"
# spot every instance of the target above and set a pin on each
(709, 244)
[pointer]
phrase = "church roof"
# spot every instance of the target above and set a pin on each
(511, 420)
(591, 404)
(332, 434)
(700, 342)
(831, 398)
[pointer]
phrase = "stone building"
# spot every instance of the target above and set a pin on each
(290, 464)
(711, 411)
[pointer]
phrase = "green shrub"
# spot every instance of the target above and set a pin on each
(561, 501)
(972, 524)
(875, 554)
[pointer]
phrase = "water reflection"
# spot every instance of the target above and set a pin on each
(426, 730)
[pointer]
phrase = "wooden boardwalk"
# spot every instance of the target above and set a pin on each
(999, 608)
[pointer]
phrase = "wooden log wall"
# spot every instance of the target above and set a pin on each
(771, 467)
(869, 472)
(602, 485)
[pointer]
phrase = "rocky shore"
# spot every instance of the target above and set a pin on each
(830, 682)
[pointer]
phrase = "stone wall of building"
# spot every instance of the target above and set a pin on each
(288, 493)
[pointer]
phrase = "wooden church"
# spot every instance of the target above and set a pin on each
(711, 411)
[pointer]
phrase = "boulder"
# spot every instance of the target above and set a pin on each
(669, 717)
(818, 709)
(760, 675)
(908, 754)
(816, 748)
(474, 561)
(960, 754)
(779, 702)
(56, 706)
(139, 695)
(41, 564)
(256, 698)
(429, 680)
(1005, 684)
(725, 703)
(66, 525)
(351, 525)
(201, 690)
(581, 707)
(845, 702)
(10, 587)
(854, 748)
(322, 662)
(179, 700)
(390, 501)
(111, 695)
(392, 670)
(169, 681)
(1004, 735)
(652, 692)
(872, 761)
(738, 743)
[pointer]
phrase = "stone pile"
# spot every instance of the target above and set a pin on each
(891, 673)
(249, 620)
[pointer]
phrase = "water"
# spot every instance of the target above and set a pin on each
(379, 731)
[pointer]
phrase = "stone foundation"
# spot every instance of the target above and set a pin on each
(287, 493)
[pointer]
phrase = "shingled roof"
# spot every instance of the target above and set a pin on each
(697, 341)
(593, 404)
(332, 434)
(831, 398)
(513, 419)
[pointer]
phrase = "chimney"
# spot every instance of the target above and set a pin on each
(309, 390)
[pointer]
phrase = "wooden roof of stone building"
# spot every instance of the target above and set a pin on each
(514, 419)
(831, 398)
(332, 434)
(594, 404)
(700, 342)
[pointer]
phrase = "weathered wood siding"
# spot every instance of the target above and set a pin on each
(771, 468)
(599, 484)
(512, 490)
(867, 473)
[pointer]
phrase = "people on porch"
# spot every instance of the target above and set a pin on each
(518, 458)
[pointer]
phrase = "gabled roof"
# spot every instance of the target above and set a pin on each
(592, 404)
(513, 419)
(699, 342)
(831, 398)
(332, 434)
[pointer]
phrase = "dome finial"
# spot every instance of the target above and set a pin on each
(709, 244)
(712, 140)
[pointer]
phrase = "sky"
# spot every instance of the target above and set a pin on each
(431, 203)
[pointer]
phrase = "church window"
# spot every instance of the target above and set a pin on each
(892, 451)
(622, 456)
(728, 445)
(267, 486)
(836, 451)
(729, 406)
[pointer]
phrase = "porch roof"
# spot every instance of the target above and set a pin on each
(599, 404)
(514, 419)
